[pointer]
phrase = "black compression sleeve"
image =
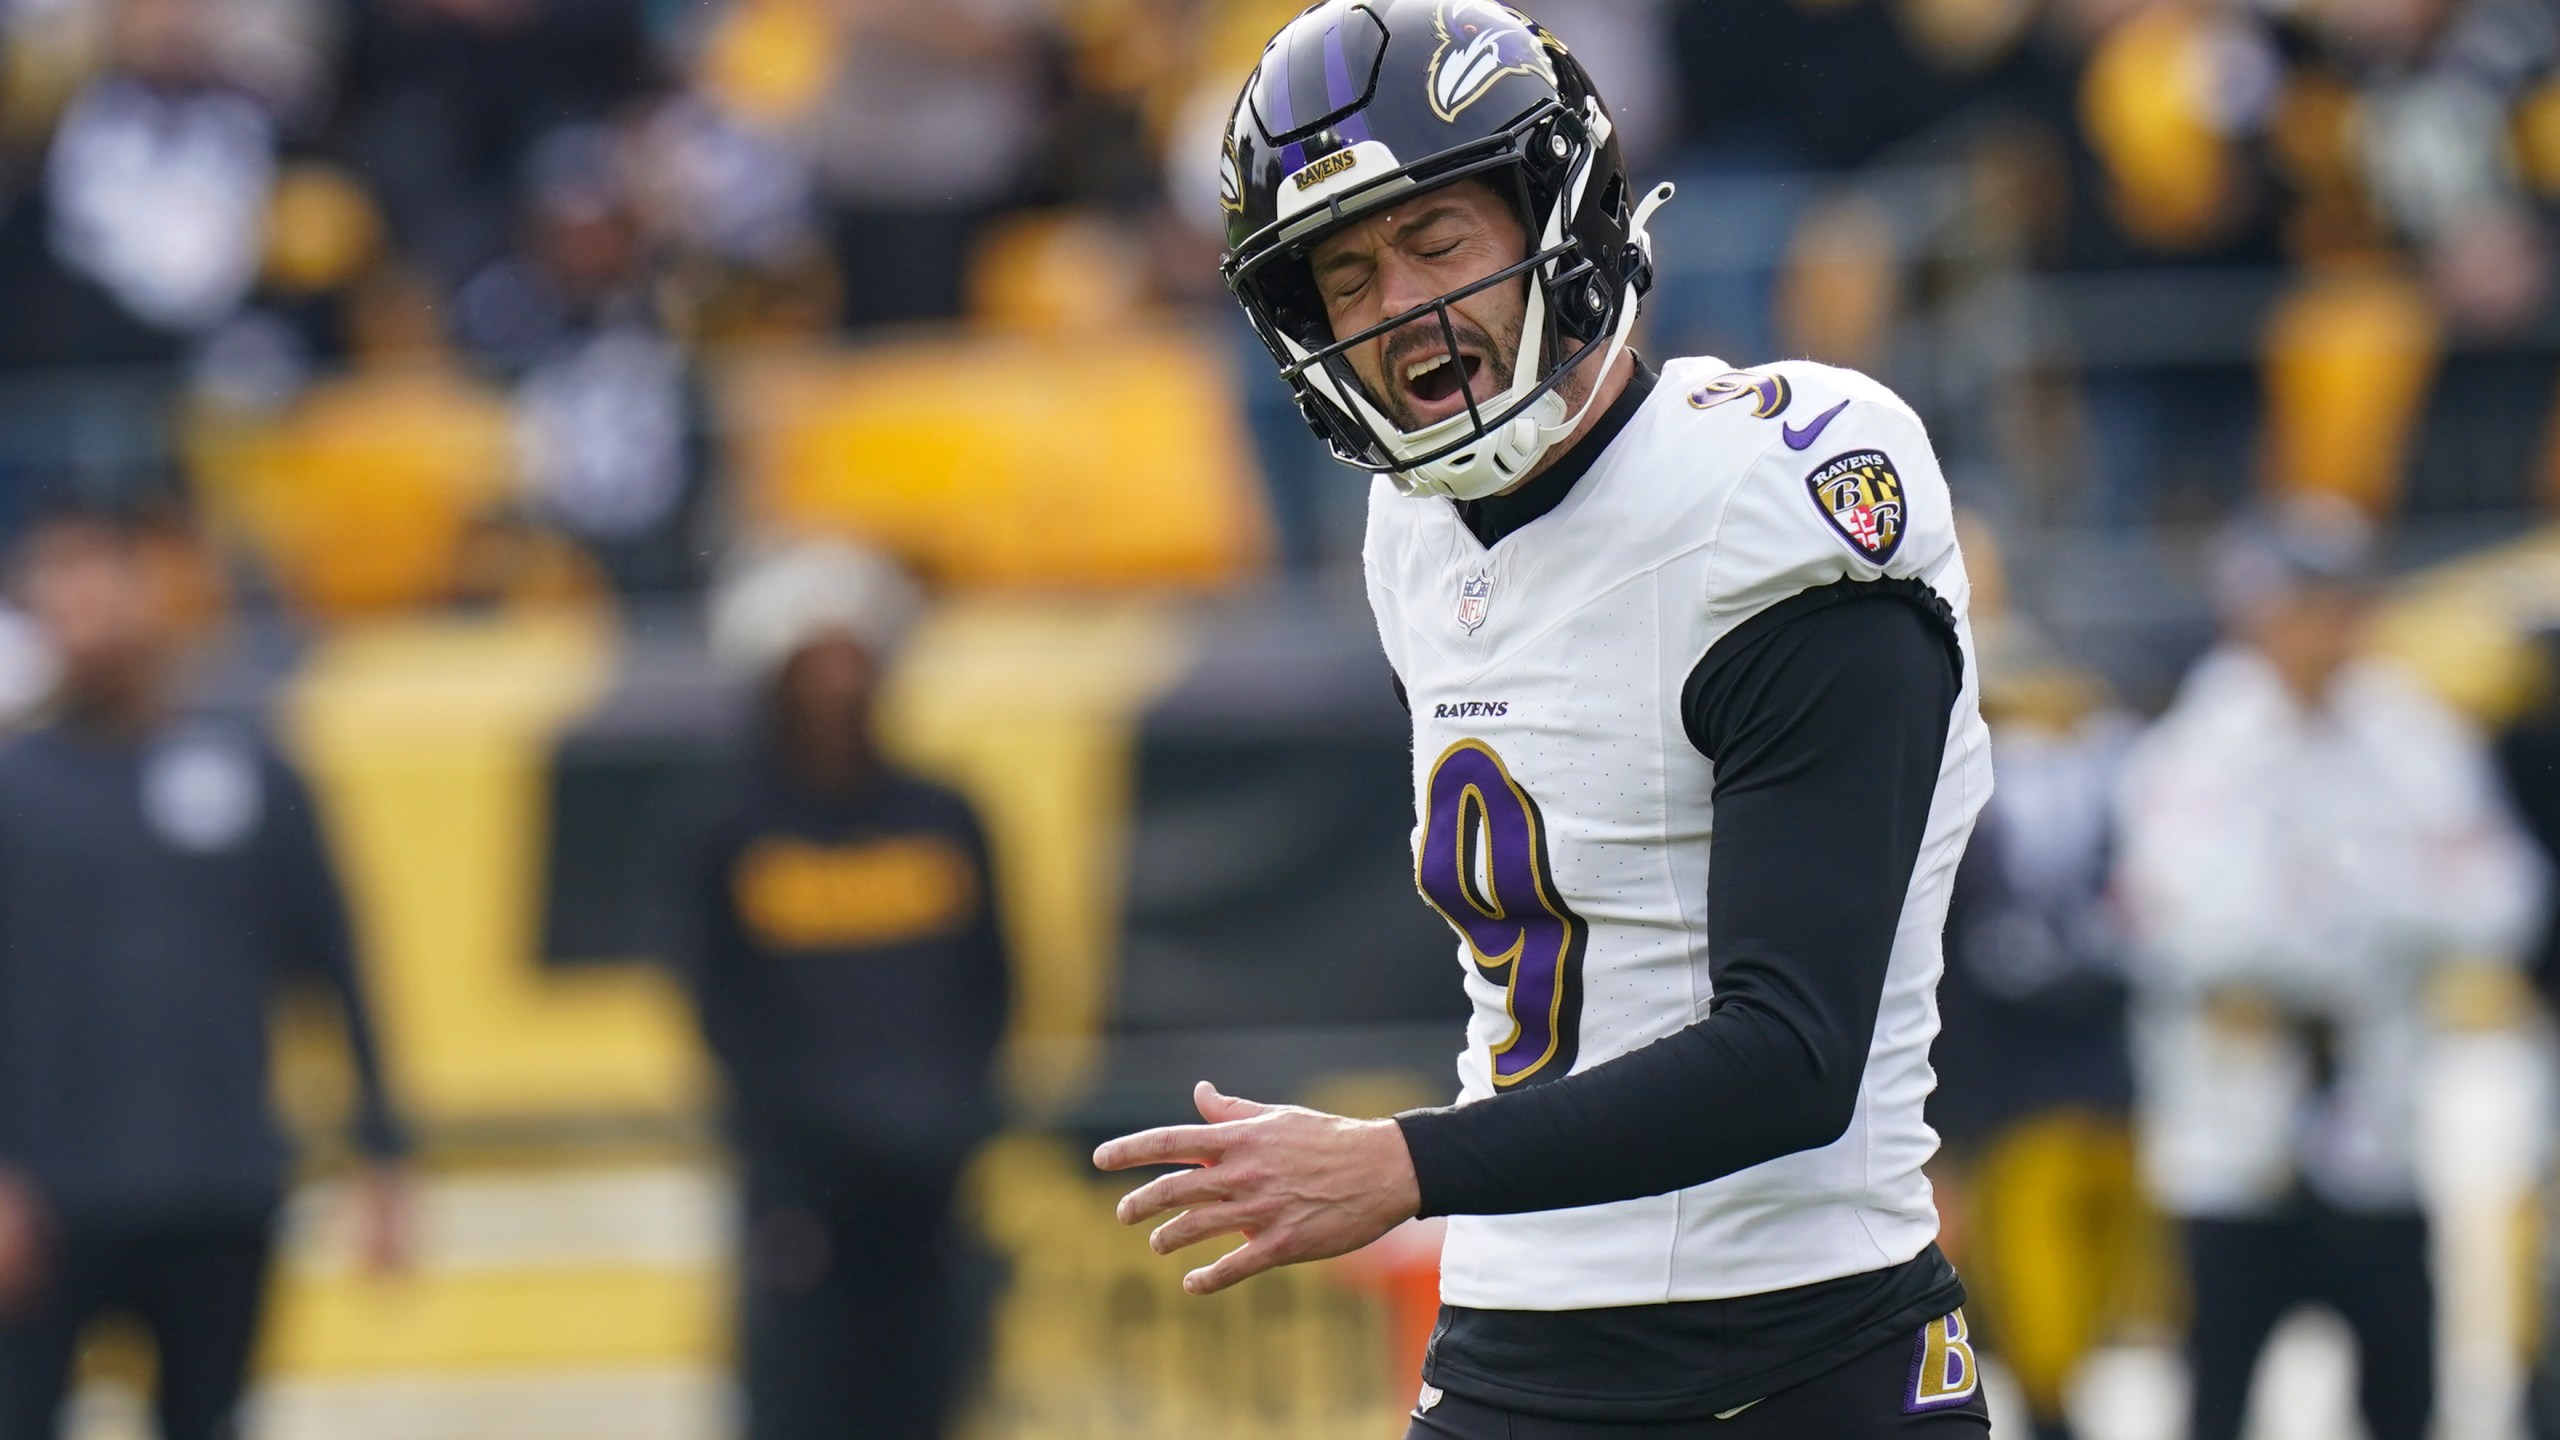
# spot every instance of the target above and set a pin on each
(1827, 717)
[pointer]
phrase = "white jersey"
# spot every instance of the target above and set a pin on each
(1564, 815)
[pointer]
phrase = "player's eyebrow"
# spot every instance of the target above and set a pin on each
(1404, 231)
(1442, 211)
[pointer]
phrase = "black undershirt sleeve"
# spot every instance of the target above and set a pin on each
(1827, 718)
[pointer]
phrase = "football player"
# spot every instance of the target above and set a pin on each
(1696, 752)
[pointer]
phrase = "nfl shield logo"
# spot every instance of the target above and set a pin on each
(1475, 597)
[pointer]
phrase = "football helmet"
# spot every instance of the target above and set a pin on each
(1358, 104)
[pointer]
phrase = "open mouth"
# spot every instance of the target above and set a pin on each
(1436, 379)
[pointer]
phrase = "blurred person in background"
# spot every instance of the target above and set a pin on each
(922, 133)
(609, 429)
(731, 204)
(139, 233)
(2379, 160)
(2035, 1083)
(2439, 83)
(150, 219)
(2307, 840)
(838, 931)
(441, 101)
(2529, 756)
(162, 874)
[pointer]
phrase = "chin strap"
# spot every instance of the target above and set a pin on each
(1641, 241)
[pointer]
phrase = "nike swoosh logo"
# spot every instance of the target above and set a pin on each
(1799, 439)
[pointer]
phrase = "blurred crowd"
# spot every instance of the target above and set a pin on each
(565, 212)
(564, 204)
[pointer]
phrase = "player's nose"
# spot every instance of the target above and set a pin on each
(1403, 286)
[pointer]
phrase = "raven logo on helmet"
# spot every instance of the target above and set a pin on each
(1230, 180)
(1480, 42)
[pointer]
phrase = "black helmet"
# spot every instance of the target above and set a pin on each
(1358, 103)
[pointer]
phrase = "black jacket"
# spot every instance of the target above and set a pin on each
(849, 970)
(153, 896)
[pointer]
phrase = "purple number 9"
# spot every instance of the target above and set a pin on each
(1483, 866)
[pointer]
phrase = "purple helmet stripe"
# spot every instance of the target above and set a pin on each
(1353, 127)
(1293, 156)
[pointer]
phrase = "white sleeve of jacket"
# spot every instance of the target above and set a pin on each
(2197, 866)
(2471, 883)
(2235, 872)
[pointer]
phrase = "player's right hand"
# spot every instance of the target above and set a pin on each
(1298, 1184)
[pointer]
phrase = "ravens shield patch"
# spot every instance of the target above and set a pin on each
(1861, 496)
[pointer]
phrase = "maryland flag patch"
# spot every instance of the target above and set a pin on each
(1861, 496)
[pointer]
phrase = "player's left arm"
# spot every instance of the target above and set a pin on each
(1827, 716)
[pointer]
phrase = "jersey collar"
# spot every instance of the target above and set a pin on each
(1497, 516)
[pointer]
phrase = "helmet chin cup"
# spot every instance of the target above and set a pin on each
(1507, 452)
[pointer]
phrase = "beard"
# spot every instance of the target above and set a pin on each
(1498, 354)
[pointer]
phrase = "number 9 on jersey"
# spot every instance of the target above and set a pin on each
(1483, 866)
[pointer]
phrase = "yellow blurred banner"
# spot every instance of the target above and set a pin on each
(357, 498)
(428, 742)
(1019, 459)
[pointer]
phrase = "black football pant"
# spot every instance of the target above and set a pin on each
(2372, 1269)
(854, 1322)
(196, 1285)
(1869, 1398)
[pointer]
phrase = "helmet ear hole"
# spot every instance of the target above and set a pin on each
(1613, 201)
(1548, 151)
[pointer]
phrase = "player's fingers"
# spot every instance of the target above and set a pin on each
(1195, 1225)
(1216, 1105)
(1243, 1263)
(1168, 1145)
(1177, 1191)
